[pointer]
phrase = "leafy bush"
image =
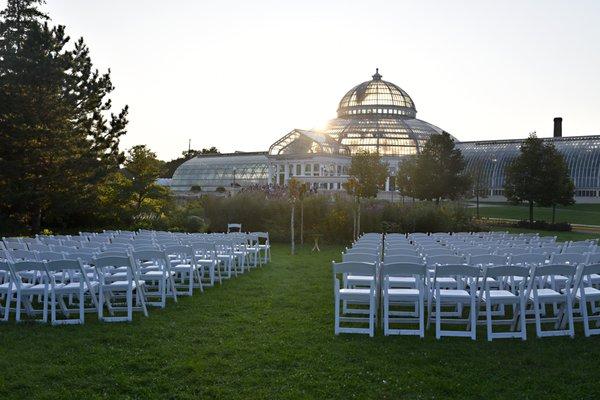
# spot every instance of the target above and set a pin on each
(220, 189)
(196, 189)
(331, 216)
(545, 226)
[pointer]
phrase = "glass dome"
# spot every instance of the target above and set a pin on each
(376, 97)
(378, 116)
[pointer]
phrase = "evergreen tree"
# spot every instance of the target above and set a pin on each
(58, 139)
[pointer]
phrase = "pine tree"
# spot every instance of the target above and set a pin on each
(58, 139)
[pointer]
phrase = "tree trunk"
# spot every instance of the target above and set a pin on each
(531, 212)
(358, 220)
(553, 212)
(477, 197)
(353, 224)
(301, 222)
(292, 229)
(36, 220)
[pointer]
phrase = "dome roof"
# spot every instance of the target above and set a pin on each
(376, 97)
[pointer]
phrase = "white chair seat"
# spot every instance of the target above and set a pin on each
(34, 289)
(499, 295)
(181, 267)
(359, 279)
(402, 280)
(355, 294)
(593, 279)
(155, 275)
(590, 292)
(122, 285)
(454, 294)
(547, 295)
(72, 287)
(403, 293)
(4, 288)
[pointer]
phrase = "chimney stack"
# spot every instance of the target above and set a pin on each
(557, 127)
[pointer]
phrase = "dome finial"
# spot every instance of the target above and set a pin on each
(377, 76)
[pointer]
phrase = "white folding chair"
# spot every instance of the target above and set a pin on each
(491, 296)
(356, 296)
(27, 288)
(584, 293)
(401, 296)
(155, 269)
(66, 280)
(183, 263)
(459, 296)
(110, 291)
(539, 295)
(7, 289)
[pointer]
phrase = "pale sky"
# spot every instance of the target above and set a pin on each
(239, 74)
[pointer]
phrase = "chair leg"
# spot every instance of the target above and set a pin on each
(585, 317)
(438, 318)
(101, 303)
(129, 303)
(421, 316)
(488, 319)
(18, 307)
(473, 315)
(386, 312)
(538, 322)
(82, 306)
(7, 304)
(337, 316)
(372, 311)
(523, 322)
(570, 314)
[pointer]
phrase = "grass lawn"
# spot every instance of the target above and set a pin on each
(588, 214)
(269, 335)
(560, 236)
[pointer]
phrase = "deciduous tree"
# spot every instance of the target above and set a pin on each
(367, 175)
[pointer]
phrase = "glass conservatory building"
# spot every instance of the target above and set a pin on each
(376, 116)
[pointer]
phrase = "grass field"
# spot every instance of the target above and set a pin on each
(269, 335)
(560, 236)
(588, 214)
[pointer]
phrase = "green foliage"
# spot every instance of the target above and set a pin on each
(131, 197)
(332, 217)
(367, 175)
(436, 173)
(58, 137)
(187, 216)
(538, 175)
(196, 189)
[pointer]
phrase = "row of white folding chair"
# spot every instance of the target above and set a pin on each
(468, 294)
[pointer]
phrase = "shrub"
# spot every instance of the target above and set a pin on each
(220, 189)
(196, 189)
(545, 226)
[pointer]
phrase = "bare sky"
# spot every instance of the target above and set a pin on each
(239, 74)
